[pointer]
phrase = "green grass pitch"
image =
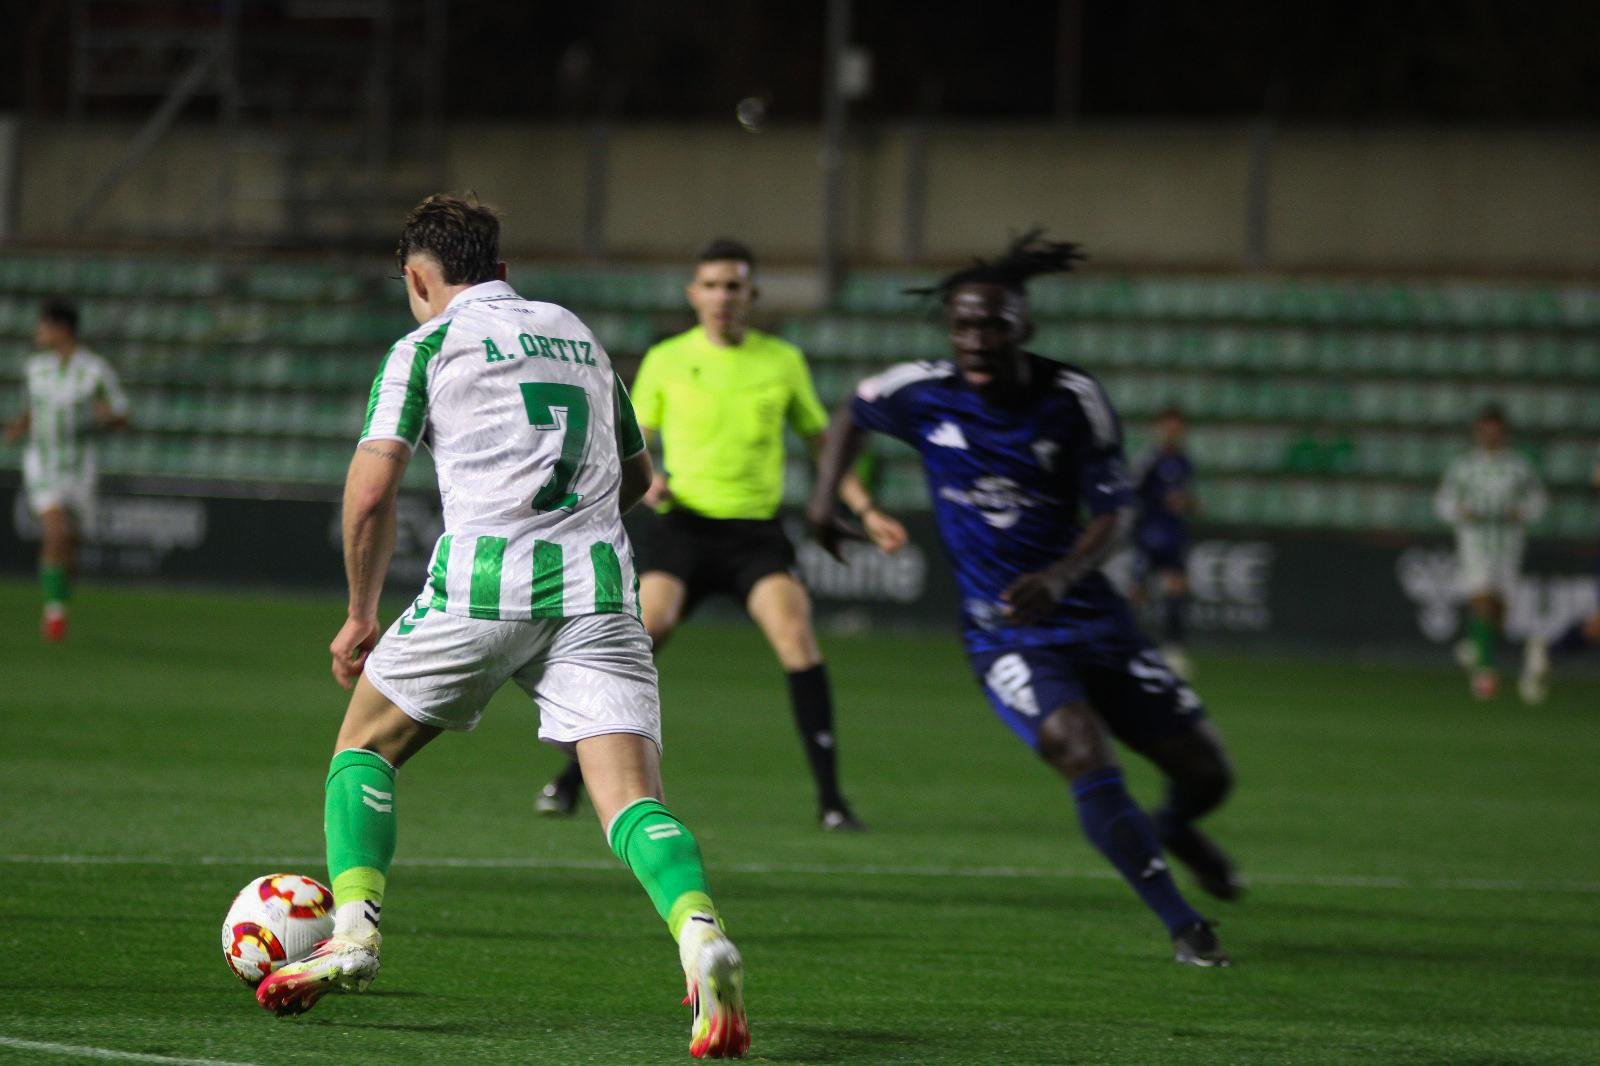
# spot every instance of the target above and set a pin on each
(1426, 870)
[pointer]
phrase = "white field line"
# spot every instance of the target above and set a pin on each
(1289, 880)
(79, 1051)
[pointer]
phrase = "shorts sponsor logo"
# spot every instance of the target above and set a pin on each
(1010, 679)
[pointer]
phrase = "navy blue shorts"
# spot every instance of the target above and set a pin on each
(1161, 547)
(1128, 684)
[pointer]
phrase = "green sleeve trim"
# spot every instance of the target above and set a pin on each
(630, 441)
(414, 409)
(377, 390)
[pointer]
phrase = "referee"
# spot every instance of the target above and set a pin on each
(719, 397)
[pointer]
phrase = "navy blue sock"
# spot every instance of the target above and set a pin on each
(1174, 618)
(1116, 825)
(1574, 639)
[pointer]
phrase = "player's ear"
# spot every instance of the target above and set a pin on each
(755, 292)
(416, 282)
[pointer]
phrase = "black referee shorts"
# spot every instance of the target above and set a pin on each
(716, 555)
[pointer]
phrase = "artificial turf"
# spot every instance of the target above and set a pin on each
(1425, 868)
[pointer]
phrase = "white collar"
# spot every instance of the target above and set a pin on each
(484, 290)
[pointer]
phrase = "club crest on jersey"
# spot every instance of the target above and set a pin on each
(948, 435)
(1045, 451)
(999, 500)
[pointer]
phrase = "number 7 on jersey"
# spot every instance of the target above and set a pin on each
(565, 408)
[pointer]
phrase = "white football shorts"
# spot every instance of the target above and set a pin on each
(590, 675)
(1488, 561)
(76, 493)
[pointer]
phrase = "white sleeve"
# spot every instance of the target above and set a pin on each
(1447, 501)
(110, 389)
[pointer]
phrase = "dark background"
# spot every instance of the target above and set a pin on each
(1353, 61)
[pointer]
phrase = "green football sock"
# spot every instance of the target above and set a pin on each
(358, 822)
(54, 584)
(663, 855)
(1484, 639)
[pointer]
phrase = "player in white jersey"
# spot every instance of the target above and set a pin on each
(538, 456)
(72, 394)
(1490, 496)
(1580, 635)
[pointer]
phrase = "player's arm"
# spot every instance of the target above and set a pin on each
(638, 480)
(881, 528)
(1033, 596)
(110, 402)
(1447, 501)
(659, 488)
(1533, 502)
(18, 428)
(1102, 478)
(370, 489)
(838, 448)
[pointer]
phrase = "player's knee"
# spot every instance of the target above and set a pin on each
(1071, 741)
(1208, 783)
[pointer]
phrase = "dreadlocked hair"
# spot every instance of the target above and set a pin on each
(1029, 256)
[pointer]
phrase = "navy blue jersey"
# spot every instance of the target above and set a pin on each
(1162, 473)
(1010, 487)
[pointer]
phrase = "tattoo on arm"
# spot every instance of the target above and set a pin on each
(382, 451)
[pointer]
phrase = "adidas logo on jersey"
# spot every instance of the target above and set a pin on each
(948, 435)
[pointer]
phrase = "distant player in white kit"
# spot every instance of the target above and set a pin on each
(538, 455)
(72, 394)
(1490, 496)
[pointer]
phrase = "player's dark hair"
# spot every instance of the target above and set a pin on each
(61, 312)
(720, 248)
(1493, 412)
(462, 235)
(1029, 256)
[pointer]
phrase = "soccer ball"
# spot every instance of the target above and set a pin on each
(275, 920)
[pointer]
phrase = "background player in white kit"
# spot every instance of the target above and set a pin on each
(72, 394)
(1490, 496)
(538, 454)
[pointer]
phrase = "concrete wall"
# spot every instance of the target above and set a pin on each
(1474, 201)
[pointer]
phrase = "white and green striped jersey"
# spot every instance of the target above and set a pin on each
(529, 425)
(61, 398)
(1490, 490)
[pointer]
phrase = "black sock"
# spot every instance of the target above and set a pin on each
(571, 778)
(1174, 619)
(813, 716)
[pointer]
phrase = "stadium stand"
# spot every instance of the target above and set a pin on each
(1315, 403)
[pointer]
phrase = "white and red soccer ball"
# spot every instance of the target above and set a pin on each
(275, 920)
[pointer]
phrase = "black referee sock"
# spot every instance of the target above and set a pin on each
(571, 779)
(813, 716)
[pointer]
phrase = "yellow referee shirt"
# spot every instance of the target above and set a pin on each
(720, 413)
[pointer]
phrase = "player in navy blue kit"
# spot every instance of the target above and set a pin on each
(1016, 448)
(1164, 480)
